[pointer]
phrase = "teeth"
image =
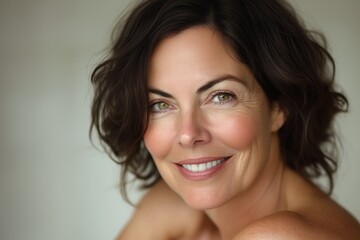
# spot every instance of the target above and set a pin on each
(202, 166)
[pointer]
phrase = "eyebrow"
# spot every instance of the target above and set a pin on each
(203, 88)
(159, 92)
(215, 81)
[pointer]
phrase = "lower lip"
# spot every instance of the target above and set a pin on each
(203, 175)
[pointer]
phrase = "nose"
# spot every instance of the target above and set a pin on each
(193, 129)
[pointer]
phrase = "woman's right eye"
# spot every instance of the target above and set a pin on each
(160, 106)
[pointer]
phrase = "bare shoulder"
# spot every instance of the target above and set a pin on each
(278, 226)
(291, 225)
(311, 215)
(161, 214)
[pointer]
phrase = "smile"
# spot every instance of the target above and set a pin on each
(202, 166)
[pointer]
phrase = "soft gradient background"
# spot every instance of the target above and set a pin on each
(53, 183)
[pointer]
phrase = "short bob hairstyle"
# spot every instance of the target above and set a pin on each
(290, 63)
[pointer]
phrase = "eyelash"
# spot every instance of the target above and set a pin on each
(212, 96)
(222, 92)
(153, 103)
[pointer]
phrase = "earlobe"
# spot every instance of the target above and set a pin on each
(278, 117)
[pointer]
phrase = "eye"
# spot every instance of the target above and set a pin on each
(159, 106)
(222, 97)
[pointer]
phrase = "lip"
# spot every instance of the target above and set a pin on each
(205, 174)
(201, 160)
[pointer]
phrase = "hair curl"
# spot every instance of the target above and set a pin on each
(290, 63)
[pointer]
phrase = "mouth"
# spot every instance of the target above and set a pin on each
(204, 166)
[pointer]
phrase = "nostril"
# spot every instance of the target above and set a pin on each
(187, 139)
(192, 130)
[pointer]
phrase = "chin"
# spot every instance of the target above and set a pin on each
(203, 200)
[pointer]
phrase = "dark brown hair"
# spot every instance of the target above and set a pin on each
(290, 63)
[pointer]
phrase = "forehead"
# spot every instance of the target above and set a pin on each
(194, 55)
(192, 40)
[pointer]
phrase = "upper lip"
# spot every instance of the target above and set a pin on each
(202, 160)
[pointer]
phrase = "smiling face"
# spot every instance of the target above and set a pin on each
(211, 127)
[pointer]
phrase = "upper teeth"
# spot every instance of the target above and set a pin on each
(202, 166)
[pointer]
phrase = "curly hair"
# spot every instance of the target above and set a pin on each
(291, 64)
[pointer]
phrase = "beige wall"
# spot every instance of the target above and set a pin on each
(54, 184)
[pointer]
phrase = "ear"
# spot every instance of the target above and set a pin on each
(278, 117)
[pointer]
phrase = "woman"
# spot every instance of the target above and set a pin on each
(224, 108)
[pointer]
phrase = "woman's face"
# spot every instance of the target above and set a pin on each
(210, 123)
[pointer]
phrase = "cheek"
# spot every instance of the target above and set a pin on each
(157, 139)
(239, 132)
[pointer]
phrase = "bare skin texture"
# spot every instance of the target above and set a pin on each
(207, 106)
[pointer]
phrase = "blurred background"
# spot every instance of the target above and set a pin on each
(53, 183)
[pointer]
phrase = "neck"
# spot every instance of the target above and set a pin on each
(263, 198)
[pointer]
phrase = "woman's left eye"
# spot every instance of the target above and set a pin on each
(222, 97)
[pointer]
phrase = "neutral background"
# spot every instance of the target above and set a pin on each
(53, 183)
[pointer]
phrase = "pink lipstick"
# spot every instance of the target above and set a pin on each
(201, 168)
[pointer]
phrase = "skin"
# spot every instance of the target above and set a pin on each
(205, 104)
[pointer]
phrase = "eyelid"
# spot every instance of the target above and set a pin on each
(217, 92)
(156, 101)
